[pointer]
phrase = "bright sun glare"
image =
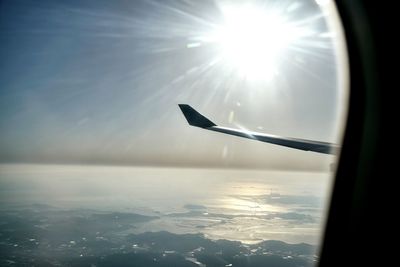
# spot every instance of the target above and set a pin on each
(253, 40)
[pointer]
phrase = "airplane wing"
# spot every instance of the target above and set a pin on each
(194, 118)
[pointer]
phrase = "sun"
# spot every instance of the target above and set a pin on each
(253, 40)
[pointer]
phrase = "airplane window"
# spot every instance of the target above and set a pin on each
(168, 133)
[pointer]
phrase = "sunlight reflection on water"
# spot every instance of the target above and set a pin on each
(246, 205)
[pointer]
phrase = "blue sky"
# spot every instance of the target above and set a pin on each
(99, 82)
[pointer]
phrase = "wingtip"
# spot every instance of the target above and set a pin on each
(194, 118)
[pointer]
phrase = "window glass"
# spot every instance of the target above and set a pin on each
(100, 167)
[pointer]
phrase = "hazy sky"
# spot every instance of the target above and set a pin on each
(85, 81)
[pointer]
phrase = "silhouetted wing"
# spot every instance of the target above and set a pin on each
(194, 118)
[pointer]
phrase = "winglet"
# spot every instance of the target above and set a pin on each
(194, 118)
